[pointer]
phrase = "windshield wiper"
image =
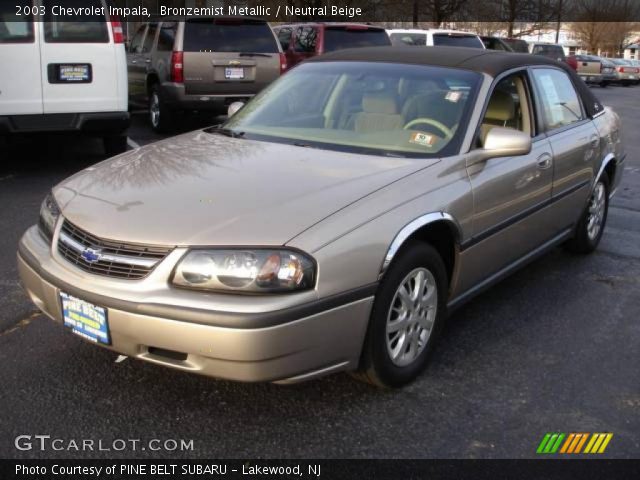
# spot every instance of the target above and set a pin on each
(251, 54)
(228, 132)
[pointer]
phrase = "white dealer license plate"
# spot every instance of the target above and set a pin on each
(234, 73)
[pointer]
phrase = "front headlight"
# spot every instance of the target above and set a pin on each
(246, 271)
(49, 214)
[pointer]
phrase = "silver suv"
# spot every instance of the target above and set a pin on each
(202, 63)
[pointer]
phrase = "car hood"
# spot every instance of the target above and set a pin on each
(208, 189)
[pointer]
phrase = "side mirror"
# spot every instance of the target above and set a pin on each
(233, 108)
(503, 142)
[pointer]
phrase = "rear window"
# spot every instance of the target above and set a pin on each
(12, 31)
(517, 45)
(455, 40)
(340, 38)
(229, 36)
(86, 28)
(413, 39)
(552, 51)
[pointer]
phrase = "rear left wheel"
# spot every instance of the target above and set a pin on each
(407, 313)
(160, 115)
(591, 225)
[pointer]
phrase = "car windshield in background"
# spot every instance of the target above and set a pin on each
(413, 39)
(457, 40)
(341, 38)
(209, 35)
(83, 29)
(376, 108)
(517, 45)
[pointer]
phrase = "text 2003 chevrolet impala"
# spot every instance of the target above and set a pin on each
(333, 220)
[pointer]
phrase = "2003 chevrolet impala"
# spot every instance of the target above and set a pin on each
(333, 220)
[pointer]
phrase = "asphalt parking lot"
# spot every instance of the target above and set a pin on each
(552, 349)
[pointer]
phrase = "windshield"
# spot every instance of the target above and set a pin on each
(553, 51)
(376, 108)
(340, 38)
(413, 39)
(457, 40)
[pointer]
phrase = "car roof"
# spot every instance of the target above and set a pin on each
(490, 62)
(329, 24)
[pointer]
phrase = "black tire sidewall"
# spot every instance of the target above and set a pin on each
(411, 257)
(165, 120)
(581, 242)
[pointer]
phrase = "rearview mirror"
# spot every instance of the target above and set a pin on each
(503, 142)
(234, 107)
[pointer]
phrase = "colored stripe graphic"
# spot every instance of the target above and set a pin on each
(555, 442)
(550, 443)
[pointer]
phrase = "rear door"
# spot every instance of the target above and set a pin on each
(136, 66)
(20, 82)
(80, 62)
(229, 56)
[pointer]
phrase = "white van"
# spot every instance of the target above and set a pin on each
(63, 76)
(434, 37)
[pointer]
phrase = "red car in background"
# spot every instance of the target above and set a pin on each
(305, 40)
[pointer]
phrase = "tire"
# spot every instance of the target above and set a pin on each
(115, 145)
(625, 83)
(160, 115)
(591, 225)
(604, 84)
(385, 361)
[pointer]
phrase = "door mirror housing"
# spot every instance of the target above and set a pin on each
(503, 142)
(233, 108)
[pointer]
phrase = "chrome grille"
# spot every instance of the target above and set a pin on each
(106, 257)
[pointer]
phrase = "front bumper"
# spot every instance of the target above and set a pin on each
(301, 346)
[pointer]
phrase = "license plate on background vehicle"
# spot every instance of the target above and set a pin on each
(234, 73)
(85, 319)
(74, 73)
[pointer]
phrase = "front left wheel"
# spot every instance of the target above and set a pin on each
(407, 313)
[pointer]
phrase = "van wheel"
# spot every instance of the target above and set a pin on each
(591, 224)
(115, 145)
(160, 115)
(408, 311)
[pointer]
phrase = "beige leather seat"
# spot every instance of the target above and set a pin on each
(501, 112)
(379, 114)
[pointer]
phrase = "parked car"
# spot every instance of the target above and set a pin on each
(549, 50)
(60, 76)
(333, 221)
(517, 44)
(203, 63)
(306, 40)
(589, 68)
(608, 72)
(496, 43)
(626, 73)
(434, 38)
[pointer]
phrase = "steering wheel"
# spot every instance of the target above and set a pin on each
(448, 133)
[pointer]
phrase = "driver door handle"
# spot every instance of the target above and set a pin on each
(545, 161)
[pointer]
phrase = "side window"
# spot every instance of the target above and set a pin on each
(284, 37)
(12, 30)
(150, 38)
(136, 43)
(508, 107)
(560, 103)
(306, 39)
(167, 36)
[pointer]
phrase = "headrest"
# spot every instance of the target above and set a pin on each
(501, 107)
(379, 103)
